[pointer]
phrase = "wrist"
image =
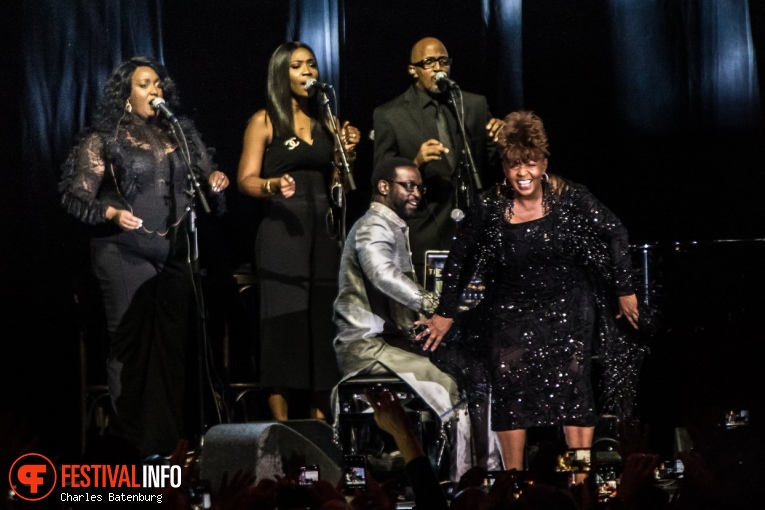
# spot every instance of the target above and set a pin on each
(268, 187)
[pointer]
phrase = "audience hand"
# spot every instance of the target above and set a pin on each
(239, 493)
(391, 417)
(638, 470)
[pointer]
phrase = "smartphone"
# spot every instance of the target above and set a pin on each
(200, 494)
(735, 419)
(309, 475)
(671, 469)
(577, 460)
(355, 472)
(606, 481)
(490, 478)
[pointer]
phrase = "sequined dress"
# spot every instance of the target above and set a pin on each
(550, 286)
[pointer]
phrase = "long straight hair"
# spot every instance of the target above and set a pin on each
(279, 95)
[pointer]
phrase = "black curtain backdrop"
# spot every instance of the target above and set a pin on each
(642, 138)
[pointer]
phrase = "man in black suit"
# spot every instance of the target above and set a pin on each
(408, 126)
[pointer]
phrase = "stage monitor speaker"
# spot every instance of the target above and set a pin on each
(320, 433)
(266, 449)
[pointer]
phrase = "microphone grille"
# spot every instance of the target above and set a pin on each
(309, 84)
(157, 101)
(441, 75)
(457, 215)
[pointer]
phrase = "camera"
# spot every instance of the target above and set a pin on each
(309, 475)
(355, 472)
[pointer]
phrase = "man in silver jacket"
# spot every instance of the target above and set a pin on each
(379, 301)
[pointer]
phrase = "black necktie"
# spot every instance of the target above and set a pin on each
(443, 134)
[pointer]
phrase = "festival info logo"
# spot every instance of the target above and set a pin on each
(32, 477)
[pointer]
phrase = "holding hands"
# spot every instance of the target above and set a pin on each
(436, 328)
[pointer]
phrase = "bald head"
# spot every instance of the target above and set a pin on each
(427, 48)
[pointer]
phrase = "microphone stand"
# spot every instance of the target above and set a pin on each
(459, 110)
(346, 167)
(324, 100)
(195, 191)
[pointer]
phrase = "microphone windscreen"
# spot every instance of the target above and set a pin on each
(457, 215)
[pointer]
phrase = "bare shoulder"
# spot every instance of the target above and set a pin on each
(259, 126)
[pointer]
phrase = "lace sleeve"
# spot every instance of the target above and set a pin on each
(81, 179)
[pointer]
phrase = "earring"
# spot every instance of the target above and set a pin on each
(128, 106)
(545, 177)
(505, 182)
(413, 72)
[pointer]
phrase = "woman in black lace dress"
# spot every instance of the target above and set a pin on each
(287, 160)
(127, 178)
(557, 272)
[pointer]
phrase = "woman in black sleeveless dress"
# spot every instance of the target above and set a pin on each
(287, 159)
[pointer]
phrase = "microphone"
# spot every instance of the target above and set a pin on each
(444, 82)
(457, 215)
(314, 84)
(159, 104)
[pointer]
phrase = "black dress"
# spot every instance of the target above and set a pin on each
(144, 275)
(297, 257)
(550, 298)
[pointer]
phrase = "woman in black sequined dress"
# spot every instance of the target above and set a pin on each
(557, 271)
(126, 177)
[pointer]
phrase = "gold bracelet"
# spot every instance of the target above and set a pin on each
(266, 187)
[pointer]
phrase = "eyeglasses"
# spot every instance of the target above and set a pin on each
(430, 62)
(410, 186)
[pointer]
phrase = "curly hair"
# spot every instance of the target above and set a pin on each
(278, 93)
(111, 107)
(523, 138)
